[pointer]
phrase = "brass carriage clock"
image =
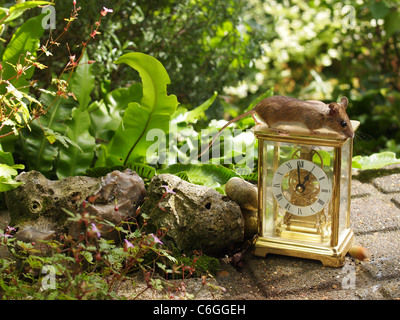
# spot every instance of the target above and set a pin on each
(304, 194)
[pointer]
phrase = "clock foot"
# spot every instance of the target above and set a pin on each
(329, 256)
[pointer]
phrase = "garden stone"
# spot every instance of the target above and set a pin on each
(117, 200)
(4, 219)
(195, 217)
(250, 223)
(36, 238)
(245, 195)
(39, 198)
(39, 203)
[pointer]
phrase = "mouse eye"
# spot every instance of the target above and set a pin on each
(343, 124)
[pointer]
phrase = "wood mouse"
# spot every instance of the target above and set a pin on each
(313, 114)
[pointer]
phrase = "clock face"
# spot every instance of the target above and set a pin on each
(301, 187)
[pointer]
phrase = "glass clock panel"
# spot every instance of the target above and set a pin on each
(297, 191)
(345, 187)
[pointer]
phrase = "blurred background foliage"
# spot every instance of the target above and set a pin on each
(306, 49)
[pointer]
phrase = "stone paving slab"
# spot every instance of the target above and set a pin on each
(375, 219)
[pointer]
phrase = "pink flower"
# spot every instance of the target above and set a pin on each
(94, 229)
(105, 11)
(155, 239)
(168, 190)
(128, 245)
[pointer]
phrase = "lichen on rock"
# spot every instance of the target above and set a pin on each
(195, 217)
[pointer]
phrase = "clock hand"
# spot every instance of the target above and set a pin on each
(300, 186)
(298, 171)
(307, 176)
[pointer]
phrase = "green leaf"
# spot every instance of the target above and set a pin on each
(82, 82)
(209, 175)
(98, 172)
(88, 256)
(144, 171)
(118, 99)
(266, 94)
(6, 157)
(106, 115)
(75, 160)
(16, 10)
(193, 115)
(26, 38)
(7, 174)
(392, 23)
(129, 144)
(37, 150)
(375, 161)
(379, 9)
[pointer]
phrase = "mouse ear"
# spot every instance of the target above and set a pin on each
(344, 102)
(334, 109)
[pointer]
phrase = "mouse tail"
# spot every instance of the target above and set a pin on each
(220, 130)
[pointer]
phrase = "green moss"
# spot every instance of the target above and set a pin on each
(199, 265)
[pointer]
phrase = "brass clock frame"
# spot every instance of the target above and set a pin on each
(324, 236)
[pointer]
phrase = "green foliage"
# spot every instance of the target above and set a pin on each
(16, 105)
(204, 45)
(26, 39)
(16, 63)
(8, 171)
(198, 265)
(129, 143)
(89, 267)
(210, 175)
(75, 159)
(37, 150)
(375, 161)
(9, 14)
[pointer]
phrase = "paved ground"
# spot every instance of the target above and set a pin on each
(375, 219)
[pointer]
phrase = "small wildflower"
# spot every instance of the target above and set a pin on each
(72, 60)
(168, 190)
(9, 229)
(155, 238)
(105, 11)
(94, 229)
(93, 34)
(128, 245)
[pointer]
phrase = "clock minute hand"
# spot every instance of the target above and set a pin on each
(298, 171)
(300, 186)
(308, 176)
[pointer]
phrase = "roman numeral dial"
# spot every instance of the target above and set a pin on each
(301, 187)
